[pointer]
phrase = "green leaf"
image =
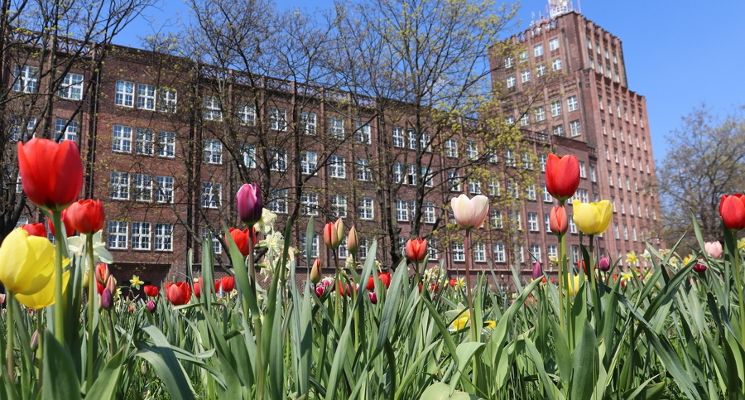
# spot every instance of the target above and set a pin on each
(59, 380)
(585, 368)
(108, 379)
(441, 391)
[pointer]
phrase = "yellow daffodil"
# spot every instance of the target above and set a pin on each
(687, 259)
(631, 258)
(461, 322)
(460, 283)
(741, 244)
(490, 324)
(626, 276)
(27, 268)
(135, 282)
(592, 218)
(573, 286)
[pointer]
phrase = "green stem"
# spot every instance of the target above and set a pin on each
(91, 311)
(469, 299)
(59, 310)
(256, 321)
(10, 335)
(562, 275)
(738, 282)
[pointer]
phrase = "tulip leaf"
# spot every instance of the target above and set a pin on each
(59, 380)
(441, 391)
(585, 368)
(108, 379)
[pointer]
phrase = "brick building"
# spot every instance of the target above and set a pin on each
(167, 143)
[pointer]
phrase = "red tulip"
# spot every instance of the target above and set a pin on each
(700, 268)
(151, 290)
(227, 283)
(86, 216)
(240, 237)
(249, 204)
(178, 293)
(732, 210)
(562, 176)
(51, 173)
(453, 282)
(320, 290)
(385, 277)
(198, 288)
(36, 229)
(557, 220)
(69, 228)
(373, 297)
(416, 250)
(346, 289)
(102, 277)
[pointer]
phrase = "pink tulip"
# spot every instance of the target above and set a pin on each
(713, 249)
(470, 213)
(249, 204)
(537, 270)
(604, 263)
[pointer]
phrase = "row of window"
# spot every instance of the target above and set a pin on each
(525, 75)
(145, 188)
(553, 45)
(145, 96)
(146, 142)
(143, 236)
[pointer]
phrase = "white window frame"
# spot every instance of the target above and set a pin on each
(336, 127)
(121, 139)
(278, 160)
(163, 237)
(402, 210)
(211, 195)
(278, 119)
(459, 252)
(308, 123)
(338, 205)
(309, 203)
(337, 167)
(167, 100)
(212, 151)
(119, 185)
(144, 142)
(71, 87)
(141, 236)
(167, 144)
(143, 187)
(165, 185)
(308, 163)
(146, 96)
(363, 172)
(398, 137)
(247, 115)
(212, 111)
(117, 235)
(366, 209)
(26, 79)
(124, 94)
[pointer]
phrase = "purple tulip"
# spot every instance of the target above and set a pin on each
(107, 299)
(537, 270)
(150, 306)
(604, 263)
(249, 204)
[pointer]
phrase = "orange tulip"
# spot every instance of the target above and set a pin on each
(416, 250)
(51, 173)
(558, 220)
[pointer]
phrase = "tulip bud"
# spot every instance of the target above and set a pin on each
(198, 288)
(416, 250)
(102, 276)
(227, 283)
(604, 263)
(315, 271)
(352, 241)
(107, 299)
(700, 268)
(320, 290)
(558, 220)
(385, 277)
(470, 213)
(249, 204)
(713, 249)
(453, 282)
(333, 233)
(111, 284)
(537, 270)
(34, 341)
(86, 216)
(373, 297)
(150, 306)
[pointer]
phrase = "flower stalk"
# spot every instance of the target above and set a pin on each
(59, 311)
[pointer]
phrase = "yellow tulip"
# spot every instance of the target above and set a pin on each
(44, 297)
(490, 324)
(26, 262)
(592, 218)
(573, 286)
(461, 322)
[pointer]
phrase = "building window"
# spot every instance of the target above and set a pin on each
(336, 127)
(454, 181)
(538, 50)
(278, 160)
(398, 172)
(556, 64)
(508, 62)
(165, 189)
(542, 161)
(429, 212)
(247, 115)
(117, 234)
(509, 158)
(167, 100)
(366, 209)
(214, 240)
(479, 252)
(249, 156)
(533, 222)
(556, 108)
(402, 210)
(472, 150)
(163, 237)
(140, 236)
(66, 130)
(211, 195)
(71, 87)
(432, 251)
(572, 103)
(524, 120)
(593, 175)
(143, 187)
(495, 219)
(121, 141)
(363, 133)
(119, 186)
(125, 94)
(530, 192)
(26, 79)
(523, 56)
(308, 123)
(574, 128)
(547, 196)
(510, 82)
(167, 144)
(474, 187)
(558, 130)
(363, 170)
(540, 114)
(146, 96)
(535, 252)
(339, 205)
(411, 175)
(546, 222)
(362, 249)
(212, 109)
(540, 70)
(337, 168)
(308, 162)
(525, 76)
(499, 253)
(313, 245)
(553, 44)
(552, 251)
(572, 227)
(144, 142)
(582, 170)
(451, 148)
(527, 161)
(398, 137)
(309, 203)
(212, 151)
(278, 203)
(459, 254)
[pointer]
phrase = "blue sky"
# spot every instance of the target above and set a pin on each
(679, 54)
